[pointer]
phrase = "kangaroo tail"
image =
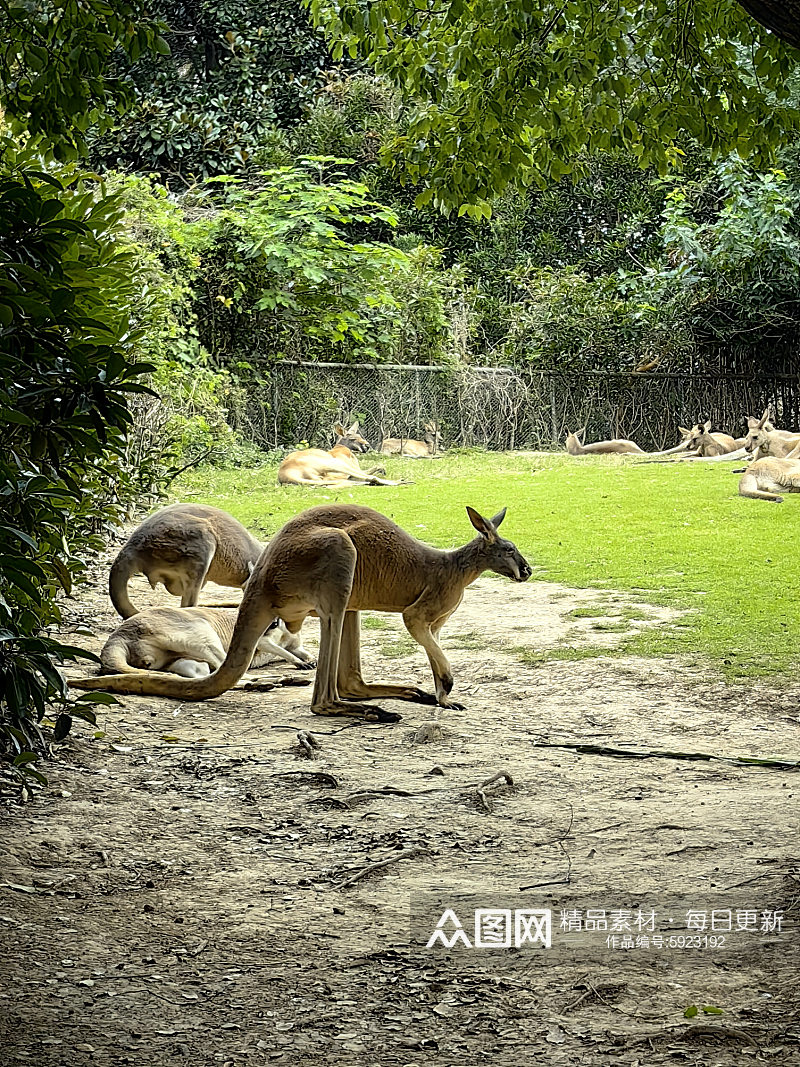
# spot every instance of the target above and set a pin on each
(121, 570)
(114, 657)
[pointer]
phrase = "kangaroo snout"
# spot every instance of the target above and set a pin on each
(523, 572)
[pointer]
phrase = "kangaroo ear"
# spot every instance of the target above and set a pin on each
(764, 418)
(580, 433)
(707, 425)
(498, 518)
(686, 433)
(484, 527)
(339, 429)
(354, 427)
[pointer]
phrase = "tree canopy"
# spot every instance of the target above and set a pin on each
(517, 92)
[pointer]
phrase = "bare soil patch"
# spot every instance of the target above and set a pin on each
(177, 895)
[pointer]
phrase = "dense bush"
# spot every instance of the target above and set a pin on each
(236, 71)
(290, 270)
(72, 319)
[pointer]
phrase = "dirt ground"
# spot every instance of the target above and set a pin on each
(177, 895)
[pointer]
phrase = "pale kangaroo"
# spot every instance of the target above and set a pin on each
(191, 642)
(764, 440)
(766, 479)
(335, 561)
(402, 446)
(706, 444)
(338, 467)
(184, 546)
(575, 446)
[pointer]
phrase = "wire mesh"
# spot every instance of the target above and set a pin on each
(500, 408)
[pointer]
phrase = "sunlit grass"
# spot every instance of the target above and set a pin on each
(673, 534)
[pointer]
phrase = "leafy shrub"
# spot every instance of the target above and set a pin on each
(289, 270)
(235, 71)
(565, 320)
(73, 321)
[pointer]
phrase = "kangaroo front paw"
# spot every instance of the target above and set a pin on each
(306, 665)
(446, 702)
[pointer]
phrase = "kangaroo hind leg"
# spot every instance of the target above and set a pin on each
(333, 594)
(351, 683)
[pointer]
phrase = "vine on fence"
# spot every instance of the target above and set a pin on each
(498, 407)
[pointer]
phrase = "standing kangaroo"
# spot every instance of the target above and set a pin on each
(401, 446)
(184, 546)
(334, 562)
(575, 446)
(190, 642)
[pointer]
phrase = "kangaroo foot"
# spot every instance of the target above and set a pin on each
(367, 712)
(387, 692)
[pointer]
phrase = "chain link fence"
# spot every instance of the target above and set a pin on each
(500, 408)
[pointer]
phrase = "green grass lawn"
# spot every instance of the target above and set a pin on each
(675, 534)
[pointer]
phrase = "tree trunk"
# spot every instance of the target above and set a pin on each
(783, 19)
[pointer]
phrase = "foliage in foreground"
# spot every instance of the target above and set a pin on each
(667, 534)
(88, 314)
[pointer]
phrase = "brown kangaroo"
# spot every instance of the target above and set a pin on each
(707, 444)
(190, 642)
(184, 546)
(335, 561)
(575, 446)
(401, 446)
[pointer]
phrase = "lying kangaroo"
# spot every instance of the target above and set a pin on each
(764, 440)
(575, 446)
(190, 642)
(402, 446)
(335, 561)
(706, 444)
(315, 466)
(184, 546)
(766, 479)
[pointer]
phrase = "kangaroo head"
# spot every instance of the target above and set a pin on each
(758, 431)
(350, 438)
(432, 437)
(501, 556)
(696, 434)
